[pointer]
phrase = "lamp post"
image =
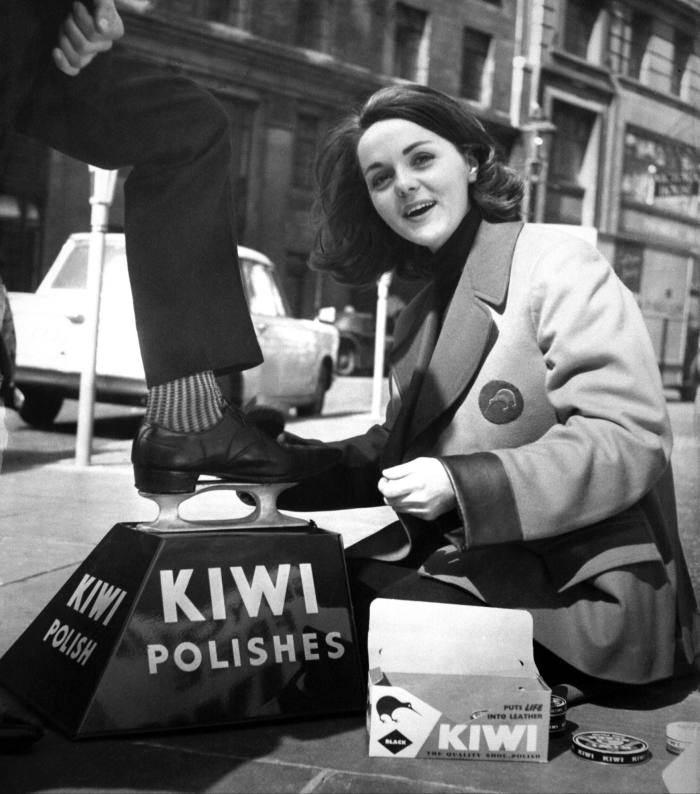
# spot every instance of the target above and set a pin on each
(103, 183)
(380, 344)
(539, 134)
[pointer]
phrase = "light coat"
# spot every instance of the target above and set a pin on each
(543, 400)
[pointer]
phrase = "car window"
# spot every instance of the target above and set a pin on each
(264, 296)
(115, 277)
(73, 273)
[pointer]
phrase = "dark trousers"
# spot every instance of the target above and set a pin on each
(190, 308)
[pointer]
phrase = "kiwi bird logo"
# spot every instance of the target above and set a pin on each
(500, 402)
(505, 398)
(387, 706)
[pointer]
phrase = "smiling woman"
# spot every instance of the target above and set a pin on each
(418, 184)
(526, 446)
(359, 160)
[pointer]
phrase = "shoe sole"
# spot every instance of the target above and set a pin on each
(169, 481)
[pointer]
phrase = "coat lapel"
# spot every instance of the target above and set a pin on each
(415, 335)
(468, 330)
(414, 339)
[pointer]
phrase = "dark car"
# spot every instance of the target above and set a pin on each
(357, 335)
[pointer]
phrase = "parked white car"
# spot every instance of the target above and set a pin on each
(300, 355)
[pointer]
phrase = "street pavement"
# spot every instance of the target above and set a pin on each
(54, 512)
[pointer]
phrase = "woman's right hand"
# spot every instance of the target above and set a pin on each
(420, 488)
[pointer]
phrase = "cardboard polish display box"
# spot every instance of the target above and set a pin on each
(454, 682)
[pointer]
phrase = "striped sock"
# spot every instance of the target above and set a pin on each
(186, 405)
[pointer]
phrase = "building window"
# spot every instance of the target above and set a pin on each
(477, 65)
(20, 243)
(572, 166)
(582, 33)
(241, 117)
(230, 12)
(25, 173)
(217, 10)
(682, 50)
(410, 43)
(299, 284)
(662, 173)
(309, 24)
(186, 7)
(640, 33)
(306, 142)
(628, 264)
(240, 11)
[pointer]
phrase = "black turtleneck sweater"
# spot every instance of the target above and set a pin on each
(445, 266)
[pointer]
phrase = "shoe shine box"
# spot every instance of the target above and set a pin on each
(454, 682)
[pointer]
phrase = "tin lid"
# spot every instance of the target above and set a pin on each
(681, 734)
(609, 747)
(558, 705)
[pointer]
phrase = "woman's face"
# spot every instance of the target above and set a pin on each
(417, 180)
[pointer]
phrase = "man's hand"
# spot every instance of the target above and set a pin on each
(84, 35)
(420, 487)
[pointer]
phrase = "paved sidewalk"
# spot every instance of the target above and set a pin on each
(53, 515)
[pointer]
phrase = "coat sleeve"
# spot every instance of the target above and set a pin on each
(352, 482)
(612, 440)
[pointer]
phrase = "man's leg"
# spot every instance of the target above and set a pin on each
(188, 297)
(191, 312)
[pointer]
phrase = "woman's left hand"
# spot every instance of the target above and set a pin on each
(420, 487)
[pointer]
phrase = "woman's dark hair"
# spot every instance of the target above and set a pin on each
(352, 241)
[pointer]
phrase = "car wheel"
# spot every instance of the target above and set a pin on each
(323, 383)
(40, 407)
(8, 350)
(689, 389)
(687, 393)
(347, 358)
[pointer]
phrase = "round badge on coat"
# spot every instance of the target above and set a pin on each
(500, 402)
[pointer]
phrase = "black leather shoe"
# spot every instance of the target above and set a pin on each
(266, 418)
(166, 461)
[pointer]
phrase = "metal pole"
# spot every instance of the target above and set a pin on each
(662, 345)
(380, 344)
(103, 183)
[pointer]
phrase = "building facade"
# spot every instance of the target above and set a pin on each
(619, 80)
(284, 70)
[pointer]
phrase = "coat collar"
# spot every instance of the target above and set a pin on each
(451, 361)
